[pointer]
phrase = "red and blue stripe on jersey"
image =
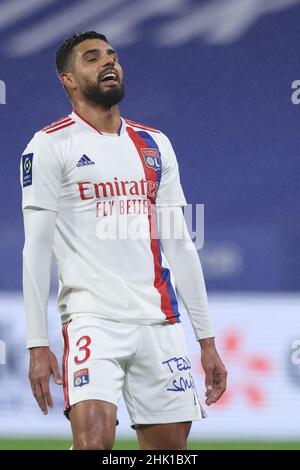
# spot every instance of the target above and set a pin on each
(162, 280)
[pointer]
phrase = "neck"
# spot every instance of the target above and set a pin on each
(103, 119)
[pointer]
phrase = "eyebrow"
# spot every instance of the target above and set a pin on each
(110, 50)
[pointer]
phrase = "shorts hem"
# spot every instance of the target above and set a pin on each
(137, 421)
(94, 397)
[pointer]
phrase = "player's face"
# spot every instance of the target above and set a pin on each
(97, 73)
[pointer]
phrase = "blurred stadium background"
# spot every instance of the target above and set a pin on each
(216, 76)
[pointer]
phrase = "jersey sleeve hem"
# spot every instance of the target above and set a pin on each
(37, 343)
(204, 334)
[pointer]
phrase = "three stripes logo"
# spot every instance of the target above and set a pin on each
(84, 161)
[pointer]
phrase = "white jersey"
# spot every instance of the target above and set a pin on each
(96, 182)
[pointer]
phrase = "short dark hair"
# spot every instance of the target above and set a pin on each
(65, 51)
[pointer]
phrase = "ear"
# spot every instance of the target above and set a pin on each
(67, 80)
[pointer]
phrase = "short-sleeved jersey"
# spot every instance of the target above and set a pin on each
(104, 188)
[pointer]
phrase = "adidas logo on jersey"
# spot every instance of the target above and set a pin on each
(84, 161)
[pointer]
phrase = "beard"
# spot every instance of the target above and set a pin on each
(93, 93)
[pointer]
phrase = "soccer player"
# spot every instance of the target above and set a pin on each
(84, 178)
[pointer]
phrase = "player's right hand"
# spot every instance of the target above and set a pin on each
(42, 364)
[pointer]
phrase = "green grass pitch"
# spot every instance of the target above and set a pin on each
(57, 444)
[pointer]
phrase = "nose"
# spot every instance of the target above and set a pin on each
(109, 60)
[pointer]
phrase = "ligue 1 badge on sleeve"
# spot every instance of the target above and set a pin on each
(81, 377)
(152, 158)
(27, 169)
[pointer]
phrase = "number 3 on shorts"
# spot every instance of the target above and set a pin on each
(83, 345)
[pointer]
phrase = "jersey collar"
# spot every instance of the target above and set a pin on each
(79, 119)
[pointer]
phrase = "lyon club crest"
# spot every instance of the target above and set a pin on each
(152, 158)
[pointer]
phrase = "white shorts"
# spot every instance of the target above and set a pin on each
(149, 364)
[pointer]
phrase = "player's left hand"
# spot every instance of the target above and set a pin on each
(214, 369)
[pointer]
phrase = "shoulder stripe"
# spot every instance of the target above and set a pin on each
(60, 127)
(141, 126)
(57, 123)
(53, 126)
(57, 126)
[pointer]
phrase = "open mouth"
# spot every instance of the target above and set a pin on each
(109, 78)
